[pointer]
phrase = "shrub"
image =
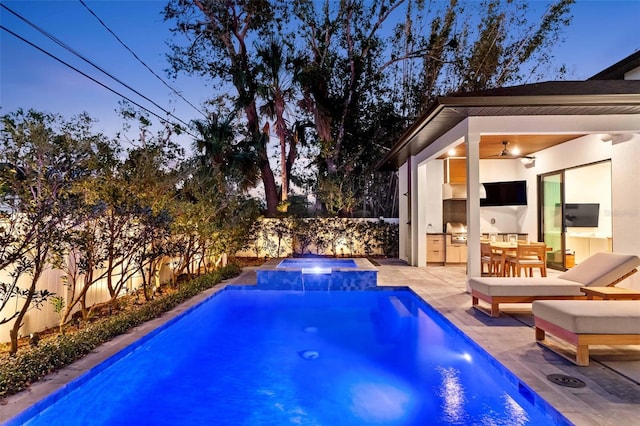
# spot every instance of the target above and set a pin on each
(32, 364)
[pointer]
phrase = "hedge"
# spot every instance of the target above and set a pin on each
(30, 365)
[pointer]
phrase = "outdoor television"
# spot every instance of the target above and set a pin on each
(513, 193)
(581, 215)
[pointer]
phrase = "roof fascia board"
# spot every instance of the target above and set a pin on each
(533, 100)
(558, 124)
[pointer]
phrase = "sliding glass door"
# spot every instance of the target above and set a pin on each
(551, 196)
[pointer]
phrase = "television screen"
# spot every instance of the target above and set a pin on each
(513, 193)
(581, 215)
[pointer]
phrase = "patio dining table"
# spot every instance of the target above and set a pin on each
(505, 248)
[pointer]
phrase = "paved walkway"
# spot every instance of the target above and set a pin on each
(611, 397)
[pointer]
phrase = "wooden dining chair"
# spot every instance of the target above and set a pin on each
(528, 256)
(490, 258)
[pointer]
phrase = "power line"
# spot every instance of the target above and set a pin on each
(164, 120)
(70, 49)
(140, 60)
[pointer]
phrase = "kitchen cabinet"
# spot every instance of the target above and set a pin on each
(455, 170)
(585, 245)
(435, 248)
(455, 252)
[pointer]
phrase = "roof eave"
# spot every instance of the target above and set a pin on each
(587, 100)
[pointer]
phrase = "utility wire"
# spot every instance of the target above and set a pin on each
(66, 47)
(140, 60)
(164, 120)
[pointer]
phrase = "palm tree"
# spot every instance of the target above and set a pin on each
(226, 156)
(276, 89)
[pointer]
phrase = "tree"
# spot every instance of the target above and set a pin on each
(212, 194)
(354, 76)
(361, 71)
(220, 41)
(151, 175)
(278, 91)
(44, 159)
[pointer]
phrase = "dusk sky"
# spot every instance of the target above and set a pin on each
(602, 33)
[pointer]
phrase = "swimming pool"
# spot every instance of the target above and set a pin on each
(260, 357)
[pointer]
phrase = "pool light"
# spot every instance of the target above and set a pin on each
(316, 270)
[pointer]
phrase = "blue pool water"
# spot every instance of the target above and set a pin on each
(262, 357)
(318, 263)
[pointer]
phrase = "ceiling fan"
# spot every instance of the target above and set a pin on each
(506, 154)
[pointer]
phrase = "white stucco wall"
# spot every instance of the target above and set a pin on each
(507, 219)
(625, 196)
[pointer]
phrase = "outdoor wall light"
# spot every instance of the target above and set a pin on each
(616, 137)
(527, 161)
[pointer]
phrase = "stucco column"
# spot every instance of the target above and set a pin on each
(472, 142)
(412, 203)
(420, 204)
(404, 212)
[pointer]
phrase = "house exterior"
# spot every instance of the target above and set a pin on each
(579, 145)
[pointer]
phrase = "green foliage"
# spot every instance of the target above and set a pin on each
(58, 304)
(352, 76)
(323, 236)
(30, 365)
(44, 161)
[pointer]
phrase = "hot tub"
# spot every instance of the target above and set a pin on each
(303, 274)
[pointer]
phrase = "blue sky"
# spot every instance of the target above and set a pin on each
(602, 33)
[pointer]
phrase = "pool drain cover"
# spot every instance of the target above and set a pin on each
(309, 355)
(568, 381)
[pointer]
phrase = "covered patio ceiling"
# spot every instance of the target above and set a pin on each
(493, 146)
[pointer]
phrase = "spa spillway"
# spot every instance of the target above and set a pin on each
(303, 274)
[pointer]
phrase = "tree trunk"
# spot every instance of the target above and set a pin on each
(270, 191)
(13, 333)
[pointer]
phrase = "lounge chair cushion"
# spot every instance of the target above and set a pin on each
(534, 286)
(591, 316)
(601, 269)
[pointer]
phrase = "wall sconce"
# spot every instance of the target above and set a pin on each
(616, 137)
(528, 161)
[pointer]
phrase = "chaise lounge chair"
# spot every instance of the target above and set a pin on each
(584, 323)
(599, 270)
